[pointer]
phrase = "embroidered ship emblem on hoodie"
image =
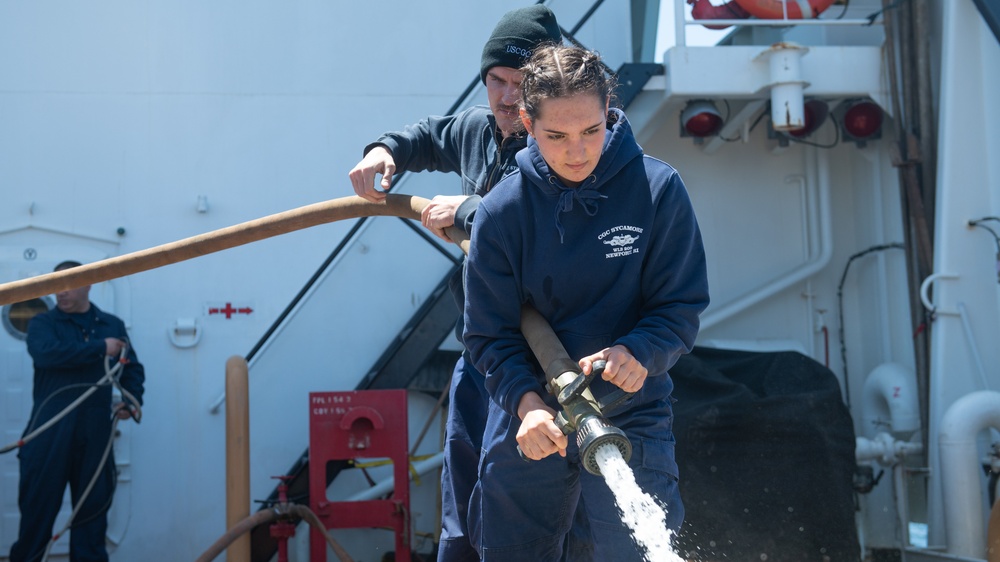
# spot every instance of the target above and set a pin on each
(622, 240)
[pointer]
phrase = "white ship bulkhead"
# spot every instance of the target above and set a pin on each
(125, 126)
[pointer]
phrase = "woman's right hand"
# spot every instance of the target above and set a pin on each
(538, 436)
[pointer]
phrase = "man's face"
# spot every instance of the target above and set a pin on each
(75, 300)
(503, 88)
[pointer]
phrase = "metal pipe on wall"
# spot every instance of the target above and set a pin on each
(237, 454)
(960, 471)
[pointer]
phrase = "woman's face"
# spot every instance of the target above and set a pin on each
(570, 134)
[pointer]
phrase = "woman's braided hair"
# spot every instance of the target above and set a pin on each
(557, 71)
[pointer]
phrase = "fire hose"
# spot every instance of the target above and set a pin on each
(111, 374)
(581, 411)
(404, 206)
(280, 511)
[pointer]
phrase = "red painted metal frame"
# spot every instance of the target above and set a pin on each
(359, 424)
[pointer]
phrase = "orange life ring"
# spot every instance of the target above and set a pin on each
(705, 10)
(775, 9)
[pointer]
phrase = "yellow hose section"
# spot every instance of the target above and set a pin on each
(412, 469)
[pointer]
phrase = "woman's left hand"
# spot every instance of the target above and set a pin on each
(622, 370)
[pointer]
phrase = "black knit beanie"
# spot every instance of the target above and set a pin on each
(516, 35)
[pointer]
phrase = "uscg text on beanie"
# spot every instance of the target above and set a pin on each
(516, 35)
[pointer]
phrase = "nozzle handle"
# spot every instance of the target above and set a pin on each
(576, 387)
(613, 400)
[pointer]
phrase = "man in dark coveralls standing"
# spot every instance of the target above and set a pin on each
(68, 345)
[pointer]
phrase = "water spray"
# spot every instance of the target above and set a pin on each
(599, 440)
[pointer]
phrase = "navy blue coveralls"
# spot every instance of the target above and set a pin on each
(68, 351)
(465, 143)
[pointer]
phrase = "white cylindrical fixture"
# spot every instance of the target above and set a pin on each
(891, 392)
(788, 111)
(387, 485)
(964, 518)
(884, 449)
(787, 100)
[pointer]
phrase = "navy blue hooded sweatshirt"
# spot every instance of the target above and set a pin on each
(616, 260)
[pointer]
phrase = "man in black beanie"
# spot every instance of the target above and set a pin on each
(479, 144)
(516, 35)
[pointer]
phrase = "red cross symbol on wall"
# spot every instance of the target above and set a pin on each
(229, 311)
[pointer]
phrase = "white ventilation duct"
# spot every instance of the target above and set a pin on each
(890, 395)
(961, 471)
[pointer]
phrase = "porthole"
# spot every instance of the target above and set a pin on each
(17, 315)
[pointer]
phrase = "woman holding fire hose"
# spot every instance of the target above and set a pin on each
(604, 243)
